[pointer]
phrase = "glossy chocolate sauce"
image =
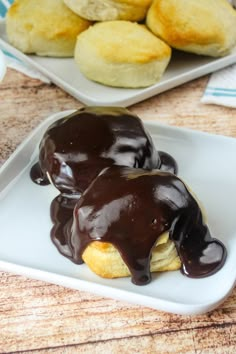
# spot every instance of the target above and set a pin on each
(130, 208)
(61, 212)
(76, 148)
(124, 206)
(38, 176)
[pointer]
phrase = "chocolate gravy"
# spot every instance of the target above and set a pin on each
(76, 148)
(38, 176)
(130, 208)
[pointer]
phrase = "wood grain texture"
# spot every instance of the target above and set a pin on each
(36, 317)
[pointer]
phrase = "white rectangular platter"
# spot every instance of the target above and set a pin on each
(208, 165)
(64, 73)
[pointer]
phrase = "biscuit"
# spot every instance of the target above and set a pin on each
(109, 10)
(46, 28)
(149, 219)
(121, 54)
(201, 27)
(105, 260)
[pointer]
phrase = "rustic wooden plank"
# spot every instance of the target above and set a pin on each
(39, 315)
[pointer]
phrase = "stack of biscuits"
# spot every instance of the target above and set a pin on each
(122, 43)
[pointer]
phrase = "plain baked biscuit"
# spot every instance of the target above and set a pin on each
(108, 10)
(47, 28)
(121, 54)
(206, 27)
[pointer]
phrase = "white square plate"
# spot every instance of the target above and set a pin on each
(64, 73)
(206, 162)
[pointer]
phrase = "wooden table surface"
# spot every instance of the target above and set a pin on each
(37, 317)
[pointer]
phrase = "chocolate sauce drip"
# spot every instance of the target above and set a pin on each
(38, 176)
(62, 211)
(62, 217)
(76, 148)
(120, 206)
(168, 163)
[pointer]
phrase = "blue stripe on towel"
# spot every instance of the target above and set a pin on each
(3, 9)
(10, 55)
(209, 88)
(222, 94)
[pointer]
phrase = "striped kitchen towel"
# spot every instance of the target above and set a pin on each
(4, 5)
(221, 88)
(11, 60)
